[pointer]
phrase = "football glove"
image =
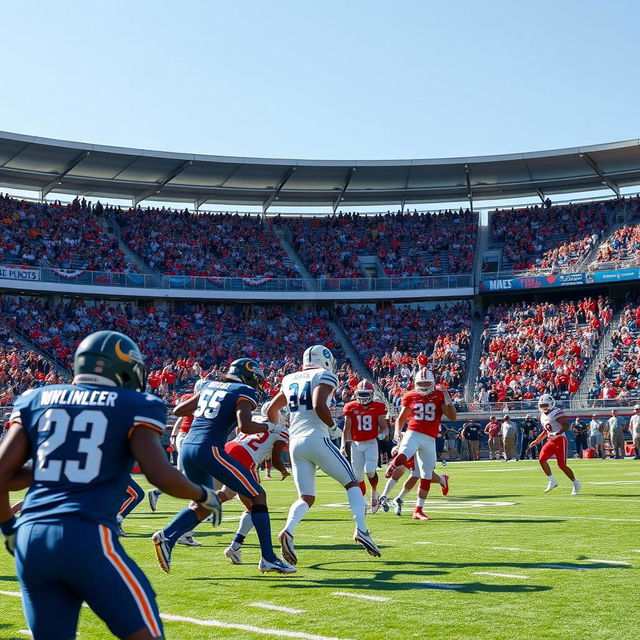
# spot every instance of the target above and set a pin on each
(9, 532)
(211, 502)
(335, 432)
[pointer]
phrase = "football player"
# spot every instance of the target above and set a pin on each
(82, 440)
(364, 421)
(217, 409)
(134, 496)
(308, 394)
(179, 432)
(423, 408)
(554, 424)
(251, 450)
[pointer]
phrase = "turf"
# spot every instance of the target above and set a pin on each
(496, 519)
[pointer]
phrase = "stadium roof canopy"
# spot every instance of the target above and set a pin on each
(96, 171)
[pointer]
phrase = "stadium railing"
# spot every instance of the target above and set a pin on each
(261, 283)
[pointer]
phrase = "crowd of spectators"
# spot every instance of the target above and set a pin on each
(214, 245)
(535, 348)
(393, 340)
(64, 236)
(616, 377)
(621, 248)
(184, 343)
(549, 238)
(406, 244)
(21, 368)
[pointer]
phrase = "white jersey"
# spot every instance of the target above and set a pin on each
(549, 421)
(260, 445)
(298, 390)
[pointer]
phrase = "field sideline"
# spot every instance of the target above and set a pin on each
(500, 560)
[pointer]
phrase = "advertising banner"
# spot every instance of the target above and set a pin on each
(18, 273)
(614, 276)
(533, 282)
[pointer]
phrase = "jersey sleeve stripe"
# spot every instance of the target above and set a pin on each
(139, 423)
(249, 398)
(147, 420)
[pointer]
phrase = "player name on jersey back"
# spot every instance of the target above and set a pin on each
(298, 389)
(82, 397)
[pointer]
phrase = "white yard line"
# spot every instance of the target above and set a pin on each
(500, 575)
(517, 549)
(565, 567)
(622, 563)
(281, 633)
(616, 482)
(444, 586)
(361, 596)
(26, 632)
(13, 594)
(275, 607)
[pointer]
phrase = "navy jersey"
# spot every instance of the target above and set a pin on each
(79, 445)
(215, 415)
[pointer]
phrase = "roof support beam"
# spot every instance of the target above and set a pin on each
(70, 166)
(168, 178)
(469, 192)
(276, 192)
(199, 202)
(541, 195)
(345, 186)
(605, 180)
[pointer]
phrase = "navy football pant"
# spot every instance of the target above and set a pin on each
(135, 495)
(64, 562)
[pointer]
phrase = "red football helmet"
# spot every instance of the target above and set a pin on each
(364, 392)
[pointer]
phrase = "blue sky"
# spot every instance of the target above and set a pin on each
(328, 79)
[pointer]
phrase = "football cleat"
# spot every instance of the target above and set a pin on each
(286, 546)
(384, 503)
(153, 499)
(234, 555)
(375, 501)
(188, 541)
(444, 487)
(419, 514)
(277, 566)
(364, 538)
(552, 485)
(576, 487)
(397, 503)
(163, 550)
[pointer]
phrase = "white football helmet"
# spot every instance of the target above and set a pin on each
(546, 400)
(364, 392)
(424, 382)
(318, 356)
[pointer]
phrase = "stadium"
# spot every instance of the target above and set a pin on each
(509, 277)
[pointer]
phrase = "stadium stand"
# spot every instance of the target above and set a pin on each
(405, 244)
(213, 245)
(534, 348)
(616, 377)
(64, 236)
(394, 339)
(550, 238)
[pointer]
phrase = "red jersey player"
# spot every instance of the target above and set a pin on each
(554, 424)
(423, 408)
(364, 420)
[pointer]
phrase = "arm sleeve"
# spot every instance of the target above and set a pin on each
(150, 412)
(328, 378)
(248, 393)
(21, 406)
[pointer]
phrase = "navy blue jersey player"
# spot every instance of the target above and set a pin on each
(218, 408)
(82, 440)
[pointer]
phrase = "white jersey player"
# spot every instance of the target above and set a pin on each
(308, 394)
(554, 424)
(251, 450)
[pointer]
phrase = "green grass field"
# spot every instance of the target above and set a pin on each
(554, 555)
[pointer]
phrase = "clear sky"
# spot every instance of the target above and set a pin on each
(335, 79)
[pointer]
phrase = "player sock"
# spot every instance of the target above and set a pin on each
(237, 542)
(387, 487)
(245, 525)
(403, 492)
(550, 478)
(297, 511)
(183, 522)
(373, 481)
(262, 523)
(419, 503)
(358, 507)
(363, 487)
(425, 485)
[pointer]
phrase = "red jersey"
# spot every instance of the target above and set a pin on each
(185, 425)
(364, 419)
(426, 411)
